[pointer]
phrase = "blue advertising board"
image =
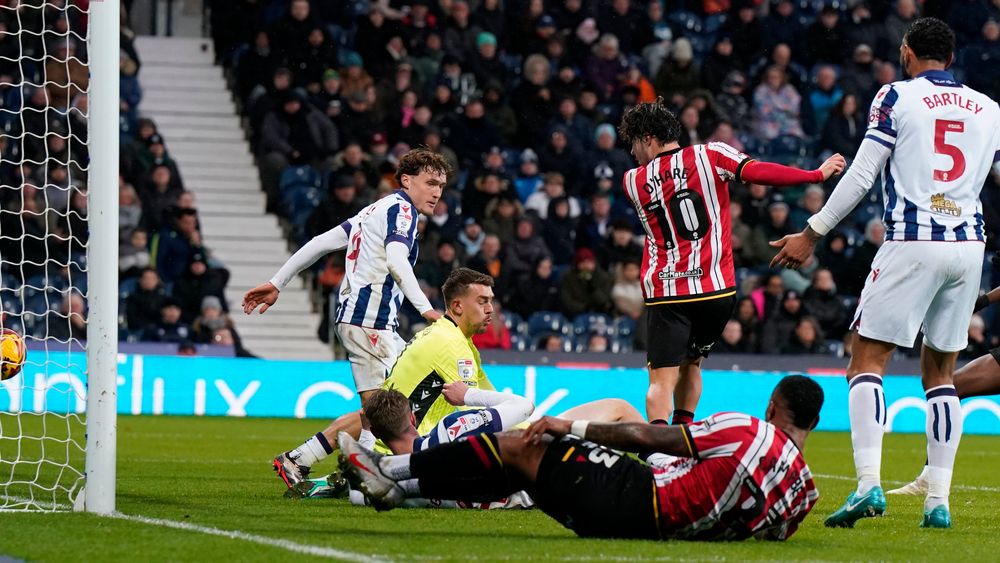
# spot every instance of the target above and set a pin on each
(177, 385)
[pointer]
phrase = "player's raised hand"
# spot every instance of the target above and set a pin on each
(263, 295)
(455, 392)
(432, 315)
(833, 166)
(551, 425)
(795, 250)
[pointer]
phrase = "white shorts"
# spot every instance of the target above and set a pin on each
(914, 283)
(372, 353)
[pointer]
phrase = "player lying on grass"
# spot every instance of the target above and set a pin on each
(734, 476)
(978, 378)
(382, 249)
(392, 421)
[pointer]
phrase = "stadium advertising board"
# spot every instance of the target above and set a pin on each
(175, 385)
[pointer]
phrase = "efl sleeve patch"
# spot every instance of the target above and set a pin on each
(467, 369)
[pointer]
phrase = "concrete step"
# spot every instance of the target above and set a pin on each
(155, 49)
(186, 98)
(250, 271)
(160, 83)
(236, 207)
(180, 133)
(218, 177)
(199, 122)
(225, 157)
(181, 74)
(220, 197)
(285, 305)
(271, 327)
(242, 249)
(165, 107)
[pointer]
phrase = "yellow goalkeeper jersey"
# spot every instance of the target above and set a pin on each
(439, 354)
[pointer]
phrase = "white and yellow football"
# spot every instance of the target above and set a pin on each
(12, 353)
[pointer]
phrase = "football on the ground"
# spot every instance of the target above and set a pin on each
(12, 353)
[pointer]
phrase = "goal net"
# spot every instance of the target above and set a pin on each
(45, 234)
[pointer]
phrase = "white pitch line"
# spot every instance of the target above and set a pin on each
(288, 545)
(973, 488)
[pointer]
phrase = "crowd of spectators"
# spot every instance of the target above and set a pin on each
(171, 290)
(523, 96)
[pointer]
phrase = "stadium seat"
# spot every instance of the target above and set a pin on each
(622, 345)
(547, 322)
(519, 343)
(624, 327)
(689, 22)
(590, 323)
(299, 176)
(834, 348)
(127, 287)
(714, 23)
(515, 324)
(786, 149)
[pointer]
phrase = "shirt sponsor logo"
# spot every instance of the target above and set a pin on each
(672, 275)
(404, 219)
(466, 369)
(944, 206)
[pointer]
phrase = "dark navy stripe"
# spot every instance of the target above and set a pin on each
(395, 237)
(942, 392)
(885, 130)
(883, 142)
(885, 411)
(934, 424)
(890, 202)
(937, 230)
(361, 305)
(878, 407)
(996, 156)
(390, 224)
(979, 226)
(384, 308)
(885, 113)
(947, 423)
(346, 225)
(341, 309)
(910, 218)
(323, 442)
(960, 231)
(866, 379)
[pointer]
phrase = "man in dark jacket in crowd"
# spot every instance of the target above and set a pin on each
(586, 288)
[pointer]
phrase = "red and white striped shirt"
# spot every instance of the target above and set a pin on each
(746, 478)
(682, 198)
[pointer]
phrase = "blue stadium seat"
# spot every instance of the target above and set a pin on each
(546, 321)
(589, 323)
(519, 343)
(515, 324)
(622, 345)
(127, 287)
(624, 327)
(834, 348)
(786, 149)
(714, 23)
(294, 176)
(689, 22)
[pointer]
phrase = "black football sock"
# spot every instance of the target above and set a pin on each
(682, 416)
(469, 470)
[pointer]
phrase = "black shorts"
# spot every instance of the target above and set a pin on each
(595, 491)
(995, 352)
(680, 331)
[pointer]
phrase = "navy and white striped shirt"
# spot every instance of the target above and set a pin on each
(944, 138)
(459, 425)
(369, 296)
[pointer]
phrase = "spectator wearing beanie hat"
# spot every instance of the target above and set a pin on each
(778, 327)
(485, 63)
(607, 154)
(679, 75)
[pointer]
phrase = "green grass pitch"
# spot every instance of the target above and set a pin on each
(215, 473)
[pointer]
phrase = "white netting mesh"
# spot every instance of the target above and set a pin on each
(43, 243)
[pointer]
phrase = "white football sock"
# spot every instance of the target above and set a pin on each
(396, 467)
(411, 487)
(866, 407)
(944, 432)
(311, 451)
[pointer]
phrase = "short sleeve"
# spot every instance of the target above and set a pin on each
(882, 119)
(719, 435)
(401, 224)
(728, 161)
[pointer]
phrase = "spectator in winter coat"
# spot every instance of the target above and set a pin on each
(142, 307)
(605, 66)
(559, 231)
(488, 260)
(528, 179)
(174, 248)
(210, 319)
(775, 227)
(776, 107)
(731, 341)
(826, 39)
(778, 329)
(170, 328)
(579, 128)
(807, 338)
(679, 75)
(825, 306)
(620, 247)
(535, 291)
(560, 156)
(606, 154)
(197, 283)
(585, 288)
(527, 248)
(746, 314)
(595, 225)
(133, 256)
(553, 186)
(496, 336)
(502, 215)
(845, 127)
(820, 100)
(627, 291)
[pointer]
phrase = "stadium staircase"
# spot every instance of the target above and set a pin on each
(186, 95)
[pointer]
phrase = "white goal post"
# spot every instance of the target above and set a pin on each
(59, 160)
(102, 258)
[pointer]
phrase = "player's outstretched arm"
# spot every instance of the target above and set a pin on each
(266, 294)
(627, 436)
(987, 299)
(757, 172)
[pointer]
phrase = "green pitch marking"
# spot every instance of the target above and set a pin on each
(214, 474)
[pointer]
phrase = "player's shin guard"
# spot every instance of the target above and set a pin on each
(468, 470)
(866, 407)
(944, 432)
